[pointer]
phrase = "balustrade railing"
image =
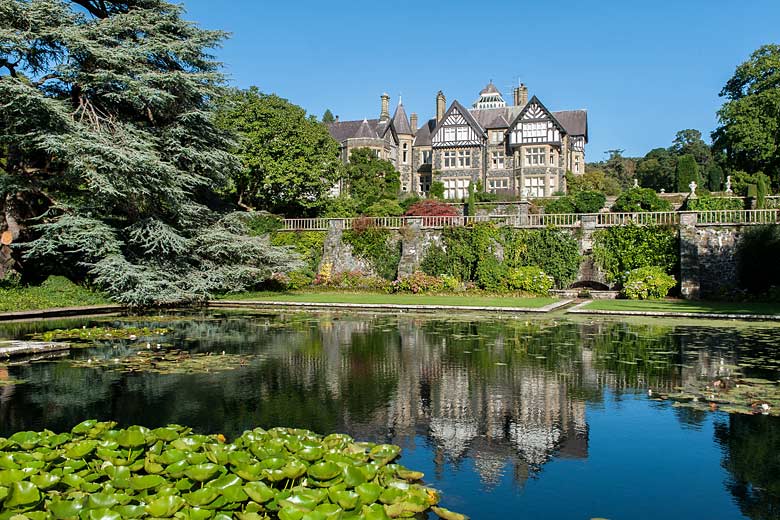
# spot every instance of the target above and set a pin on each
(561, 220)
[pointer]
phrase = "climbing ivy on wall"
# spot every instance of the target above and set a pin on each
(375, 245)
(308, 244)
(618, 250)
(484, 253)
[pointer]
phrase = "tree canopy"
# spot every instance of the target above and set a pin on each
(111, 157)
(289, 160)
(328, 117)
(749, 129)
(371, 179)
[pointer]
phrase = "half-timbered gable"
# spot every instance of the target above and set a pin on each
(535, 125)
(457, 128)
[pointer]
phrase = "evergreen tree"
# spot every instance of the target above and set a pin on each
(327, 117)
(687, 172)
(289, 161)
(714, 177)
(371, 179)
(111, 155)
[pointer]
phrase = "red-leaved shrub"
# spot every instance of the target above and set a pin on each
(431, 208)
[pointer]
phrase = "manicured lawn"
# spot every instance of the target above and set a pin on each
(397, 299)
(53, 293)
(684, 306)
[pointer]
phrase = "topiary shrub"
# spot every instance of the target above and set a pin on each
(589, 201)
(647, 283)
(529, 279)
(637, 200)
(618, 250)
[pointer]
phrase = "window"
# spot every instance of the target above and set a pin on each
(534, 156)
(576, 165)
(425, 184)
(456, 188)
(449, 133)
(538, 130)
(425, 157)
(449, 160)
(552, 158)
(464, 158)
(405, 156)
(534, 186)
(497, 159)
(495, 185)
(463, 133)
(376, 153)
(497, 137)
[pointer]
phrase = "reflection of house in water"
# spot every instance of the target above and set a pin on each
(519, 414)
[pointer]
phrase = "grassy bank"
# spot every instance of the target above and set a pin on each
(469, 300)
(698, 307)
(55, 292)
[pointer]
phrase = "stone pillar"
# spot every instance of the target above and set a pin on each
(689, 256)
(518, 176)
(412, 248)
(586, 237)
(523, 210)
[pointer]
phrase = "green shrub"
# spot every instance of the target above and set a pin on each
(437, 190)
(554, 251)
(560, 205)
(490, 274)
(589, 201)
(359, 280)
(640, 199)
(308, 244)
(375, 245)
(385, 208)
(262, 223)
(529, 279)
(418, 283)
(343, 206)
(409, 201)
(484, 196)
(687, 172)
(707, 203)
(618, 250)
(757, 254)
(647, 283)
(55, 291)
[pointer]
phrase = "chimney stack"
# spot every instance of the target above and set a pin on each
(441, 106)
(523, 94)
(516, 96)
(413, 121)
(385, 114)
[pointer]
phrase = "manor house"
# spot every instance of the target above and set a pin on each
(511, 149)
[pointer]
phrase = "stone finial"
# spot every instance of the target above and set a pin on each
(728, 184)
(693, 187)
(636, 183)
(663, 191)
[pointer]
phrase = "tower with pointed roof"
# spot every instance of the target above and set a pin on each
(405, 141)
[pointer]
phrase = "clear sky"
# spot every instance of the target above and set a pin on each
(642, 69)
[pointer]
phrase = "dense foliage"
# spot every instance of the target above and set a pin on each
(55, 291)
(484, 254)
(431, 208)
(111, 157)
(99, 471)
(593, 180)
(580, 202)
(647, 283)
(370, 179)
(706, 203)
(687, 172)
(640, 199)
(289, 161)
(377, 246)
(757, 257)
(309, 245)
(618, 250)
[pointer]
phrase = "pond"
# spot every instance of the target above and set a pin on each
(537, 417)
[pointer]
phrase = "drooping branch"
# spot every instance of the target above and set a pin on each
(10, 66)
(98, 11)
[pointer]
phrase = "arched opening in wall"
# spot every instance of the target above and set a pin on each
(589, 284)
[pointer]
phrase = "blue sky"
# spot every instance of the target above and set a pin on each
(642, 69)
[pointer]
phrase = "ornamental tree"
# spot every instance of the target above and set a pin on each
(371, 179)
(111, 157)
(289, 161)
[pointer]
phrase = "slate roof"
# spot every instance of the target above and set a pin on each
(400, 121)
(574, 121)
(489, 89)
(424, 133)
(487, 116)
(344, 130)
(365, 131)
(467, 115)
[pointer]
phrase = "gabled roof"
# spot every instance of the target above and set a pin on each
(498, 122)
(487, 116)
(424, 133)
(343, 130)
(574, 121)
(466, 115)
(365, 131)
(535, 101)
(401, 121)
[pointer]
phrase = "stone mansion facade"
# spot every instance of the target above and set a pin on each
(516, 149)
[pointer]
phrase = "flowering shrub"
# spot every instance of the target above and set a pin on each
(529, 279)
(325, 274)
(359, 280)
(432, 208)
(419, 282)
(648, 283)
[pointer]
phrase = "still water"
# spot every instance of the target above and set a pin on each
(530, 418)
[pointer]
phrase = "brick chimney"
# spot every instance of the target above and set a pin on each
(523, 94)
(516, 96)
(413, 122)
(441, 106)
(385, 114)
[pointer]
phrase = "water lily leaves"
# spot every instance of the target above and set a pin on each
(384, 453)
(273, 463)
(10, 476)
(259, 492)
(131, 511)
(25, 440)
(392, 495)
(177, 469)
(375, 512)
(225, 481)
(239, 458)
(172, 455)
(329, 511)
(166, 434)
(152, 468)
(291, 513)
(131, 438)
(65, 509)
(353, 476)
(195, 513)
(324, 470)
(311, 454)
(250, 472)
(294, 469)
(202, 472)
(301, 501)
(101, 501)
(407, 474)
(165, 507)
(345, 499)
(145, 482)
(189, 443)
(22, 495)
(202, 496)
(7, 461)
(83, 427)
(45, 481)
(446, 514)
(369, 492)
(79, 450)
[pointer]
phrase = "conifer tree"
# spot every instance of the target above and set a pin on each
(328, 117)
(110, 155)
(687, 171)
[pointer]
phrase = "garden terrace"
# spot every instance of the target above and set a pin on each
(562, 220)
